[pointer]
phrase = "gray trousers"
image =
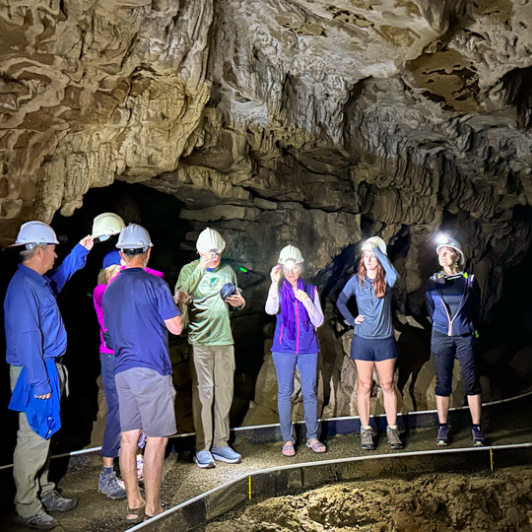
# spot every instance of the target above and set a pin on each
(213, 372)
(30, 463)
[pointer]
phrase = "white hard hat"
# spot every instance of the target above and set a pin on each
(34, 233)
(107, 224)
(210, 240)
(290, 253)
(134, 237)
(448, 242)
(375, 241)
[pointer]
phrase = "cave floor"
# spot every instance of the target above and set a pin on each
(183, 480)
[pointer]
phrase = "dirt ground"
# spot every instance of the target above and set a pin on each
(499, 501)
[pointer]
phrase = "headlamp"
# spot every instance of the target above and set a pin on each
(442, 239)
(290, 264)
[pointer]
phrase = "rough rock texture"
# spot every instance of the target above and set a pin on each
(434, 503)
(279, 121)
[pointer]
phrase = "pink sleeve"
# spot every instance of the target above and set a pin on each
(157, 273)
(97, 297)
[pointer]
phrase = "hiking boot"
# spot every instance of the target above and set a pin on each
(443, 435)
(39, 521)
(366, 439)
(204, 460)
(226, 454)
(478, 437)
(392, 433)
(110, 486)
(52, 501)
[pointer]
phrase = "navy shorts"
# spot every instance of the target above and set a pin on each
(373, 350)
(444, 350)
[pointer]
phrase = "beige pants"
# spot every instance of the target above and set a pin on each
(213, 372)
(30, 463)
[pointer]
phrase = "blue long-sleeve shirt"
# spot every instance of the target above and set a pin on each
(377, 322)
(34, 327)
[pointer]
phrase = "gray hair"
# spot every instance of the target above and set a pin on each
(28, 254)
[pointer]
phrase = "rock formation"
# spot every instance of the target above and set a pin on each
(309, 121)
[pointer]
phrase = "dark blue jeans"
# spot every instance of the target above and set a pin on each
(111, 436)
(285, 366)
(445, 349)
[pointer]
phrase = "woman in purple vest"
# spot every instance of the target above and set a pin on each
(297, 306)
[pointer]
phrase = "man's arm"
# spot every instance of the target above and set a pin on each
(174, 325)
(189, 278)
(73, 262)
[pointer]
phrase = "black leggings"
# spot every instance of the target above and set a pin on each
(444, 350)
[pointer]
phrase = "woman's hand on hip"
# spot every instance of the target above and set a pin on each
(359, 319)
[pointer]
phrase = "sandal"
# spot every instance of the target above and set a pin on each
(164, 507)
(139, 512)
(289, 449)
(317, 446)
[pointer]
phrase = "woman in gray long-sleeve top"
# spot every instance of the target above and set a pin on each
(373, 341)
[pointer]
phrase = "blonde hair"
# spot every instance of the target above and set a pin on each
(105, 275)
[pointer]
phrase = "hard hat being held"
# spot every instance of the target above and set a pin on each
(371, 243)
(228, 289)
(445, 241)
(106, 225)
(135, 237)
(210, 241)
(35, 233)
(290, 256)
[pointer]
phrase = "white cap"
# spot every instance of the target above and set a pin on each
(107, 224)
(35, 233)
(375, 241)
(210, 240)
(290, 253)
(134, 237)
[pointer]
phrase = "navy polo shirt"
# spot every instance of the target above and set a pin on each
(135, 306)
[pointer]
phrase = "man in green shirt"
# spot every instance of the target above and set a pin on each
(209, 332)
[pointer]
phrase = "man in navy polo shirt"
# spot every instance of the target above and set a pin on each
(35, 341)
(139, 311)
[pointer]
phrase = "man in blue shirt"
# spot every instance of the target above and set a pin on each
(36, 339)
(139, 311)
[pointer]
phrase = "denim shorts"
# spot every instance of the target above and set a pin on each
(146, 401)
(373, 350)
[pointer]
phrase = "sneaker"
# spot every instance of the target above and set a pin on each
(443, 436)
(52, 501)
(204, 460)
(478, 437)
(39, 521)
(226, 454)
(366, 439)
(393, 438)
(110, 486)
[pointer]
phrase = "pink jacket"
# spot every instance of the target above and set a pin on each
(97, 297)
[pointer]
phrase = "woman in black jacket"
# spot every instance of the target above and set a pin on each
(453, 302)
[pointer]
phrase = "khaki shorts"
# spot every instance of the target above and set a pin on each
(146, 402)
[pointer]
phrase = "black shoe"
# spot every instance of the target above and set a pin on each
(39, 521)
(53, 502)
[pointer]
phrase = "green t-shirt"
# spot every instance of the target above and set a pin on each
(208, 313)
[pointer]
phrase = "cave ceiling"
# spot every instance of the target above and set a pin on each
(308, 117)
